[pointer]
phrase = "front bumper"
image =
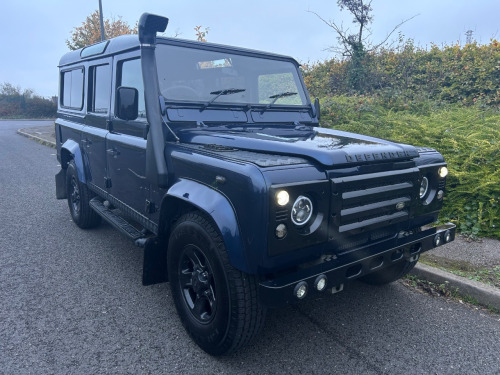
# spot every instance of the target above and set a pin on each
(352, 265)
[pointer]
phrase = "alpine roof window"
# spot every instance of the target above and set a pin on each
(95, 49)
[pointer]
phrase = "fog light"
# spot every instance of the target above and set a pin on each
(281, 231)
(300, 290)
(437, 240)
(443, 172)
(447, 236)
(440, 194)
(282, 198)
(320, 283)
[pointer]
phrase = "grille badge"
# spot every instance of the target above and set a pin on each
(400, 206)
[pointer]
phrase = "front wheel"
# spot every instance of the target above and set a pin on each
(217, 304)
(389, 274)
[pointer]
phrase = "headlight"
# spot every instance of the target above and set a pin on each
(302, 210)
(282, 198)
(424, 186)
(443, 172)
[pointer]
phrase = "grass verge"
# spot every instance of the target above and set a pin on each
(490, 276)
(444, 290)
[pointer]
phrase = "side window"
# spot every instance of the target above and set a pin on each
(130, 75)
(99, 88)
(72, 88)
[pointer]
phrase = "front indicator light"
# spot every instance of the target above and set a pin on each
(281, 231)
(440, 194)
(300, 290)
(443, 172)
(302, 210)
(424, 186)
(282, 198)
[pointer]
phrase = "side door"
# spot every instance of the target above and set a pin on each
(96, 121)
(126, 141)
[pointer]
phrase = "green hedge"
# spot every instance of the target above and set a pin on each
(458, 74)
(468, 137)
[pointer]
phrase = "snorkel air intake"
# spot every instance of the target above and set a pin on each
(156, 167)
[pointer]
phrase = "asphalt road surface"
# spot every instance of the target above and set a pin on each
(71, 301)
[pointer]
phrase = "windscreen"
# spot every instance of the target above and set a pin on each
(188, 74)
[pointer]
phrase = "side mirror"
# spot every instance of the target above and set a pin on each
(127, 103)
(317, 109)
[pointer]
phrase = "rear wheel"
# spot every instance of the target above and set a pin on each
(389, 274)
(79, 197)
(217, 304)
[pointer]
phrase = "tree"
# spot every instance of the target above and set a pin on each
(201, 34)
(90, 31)
(356, 46)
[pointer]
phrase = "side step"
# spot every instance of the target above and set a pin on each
(117, 221)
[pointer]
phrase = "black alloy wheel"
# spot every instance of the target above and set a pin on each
(197, 283)
(217, 304)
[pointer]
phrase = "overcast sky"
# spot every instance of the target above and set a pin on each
(33, 33)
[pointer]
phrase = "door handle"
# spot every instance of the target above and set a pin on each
(113, 152)
(86, 142)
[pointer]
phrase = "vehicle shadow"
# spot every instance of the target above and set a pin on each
(364, 329)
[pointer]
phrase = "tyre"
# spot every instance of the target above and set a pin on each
(389, 274)
(79, 197)
(217, 304)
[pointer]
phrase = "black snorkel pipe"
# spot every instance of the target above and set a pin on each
(156, 167)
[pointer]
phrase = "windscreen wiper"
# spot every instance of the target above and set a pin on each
(275, 97)
(220, 93)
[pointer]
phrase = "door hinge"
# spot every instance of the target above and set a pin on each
(150, 207)
(107, 182)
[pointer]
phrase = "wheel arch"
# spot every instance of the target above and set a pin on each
(187, 195)
(70, 150)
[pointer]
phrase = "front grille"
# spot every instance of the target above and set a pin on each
(281, 215)
(442, 184)
(366, 202)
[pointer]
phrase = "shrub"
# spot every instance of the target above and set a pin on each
(17, 104)
(453, 74)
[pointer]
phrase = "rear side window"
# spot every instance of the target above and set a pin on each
(100, 88)
(130, 75)
(72, 89)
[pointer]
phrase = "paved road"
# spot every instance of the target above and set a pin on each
(71, 301)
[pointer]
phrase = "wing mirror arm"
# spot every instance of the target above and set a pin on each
(317, 108)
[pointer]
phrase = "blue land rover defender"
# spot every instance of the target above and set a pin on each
(212, 160)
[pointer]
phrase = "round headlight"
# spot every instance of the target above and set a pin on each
(443, 172)
(424, 186)
(302, 210)
(282, 198)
